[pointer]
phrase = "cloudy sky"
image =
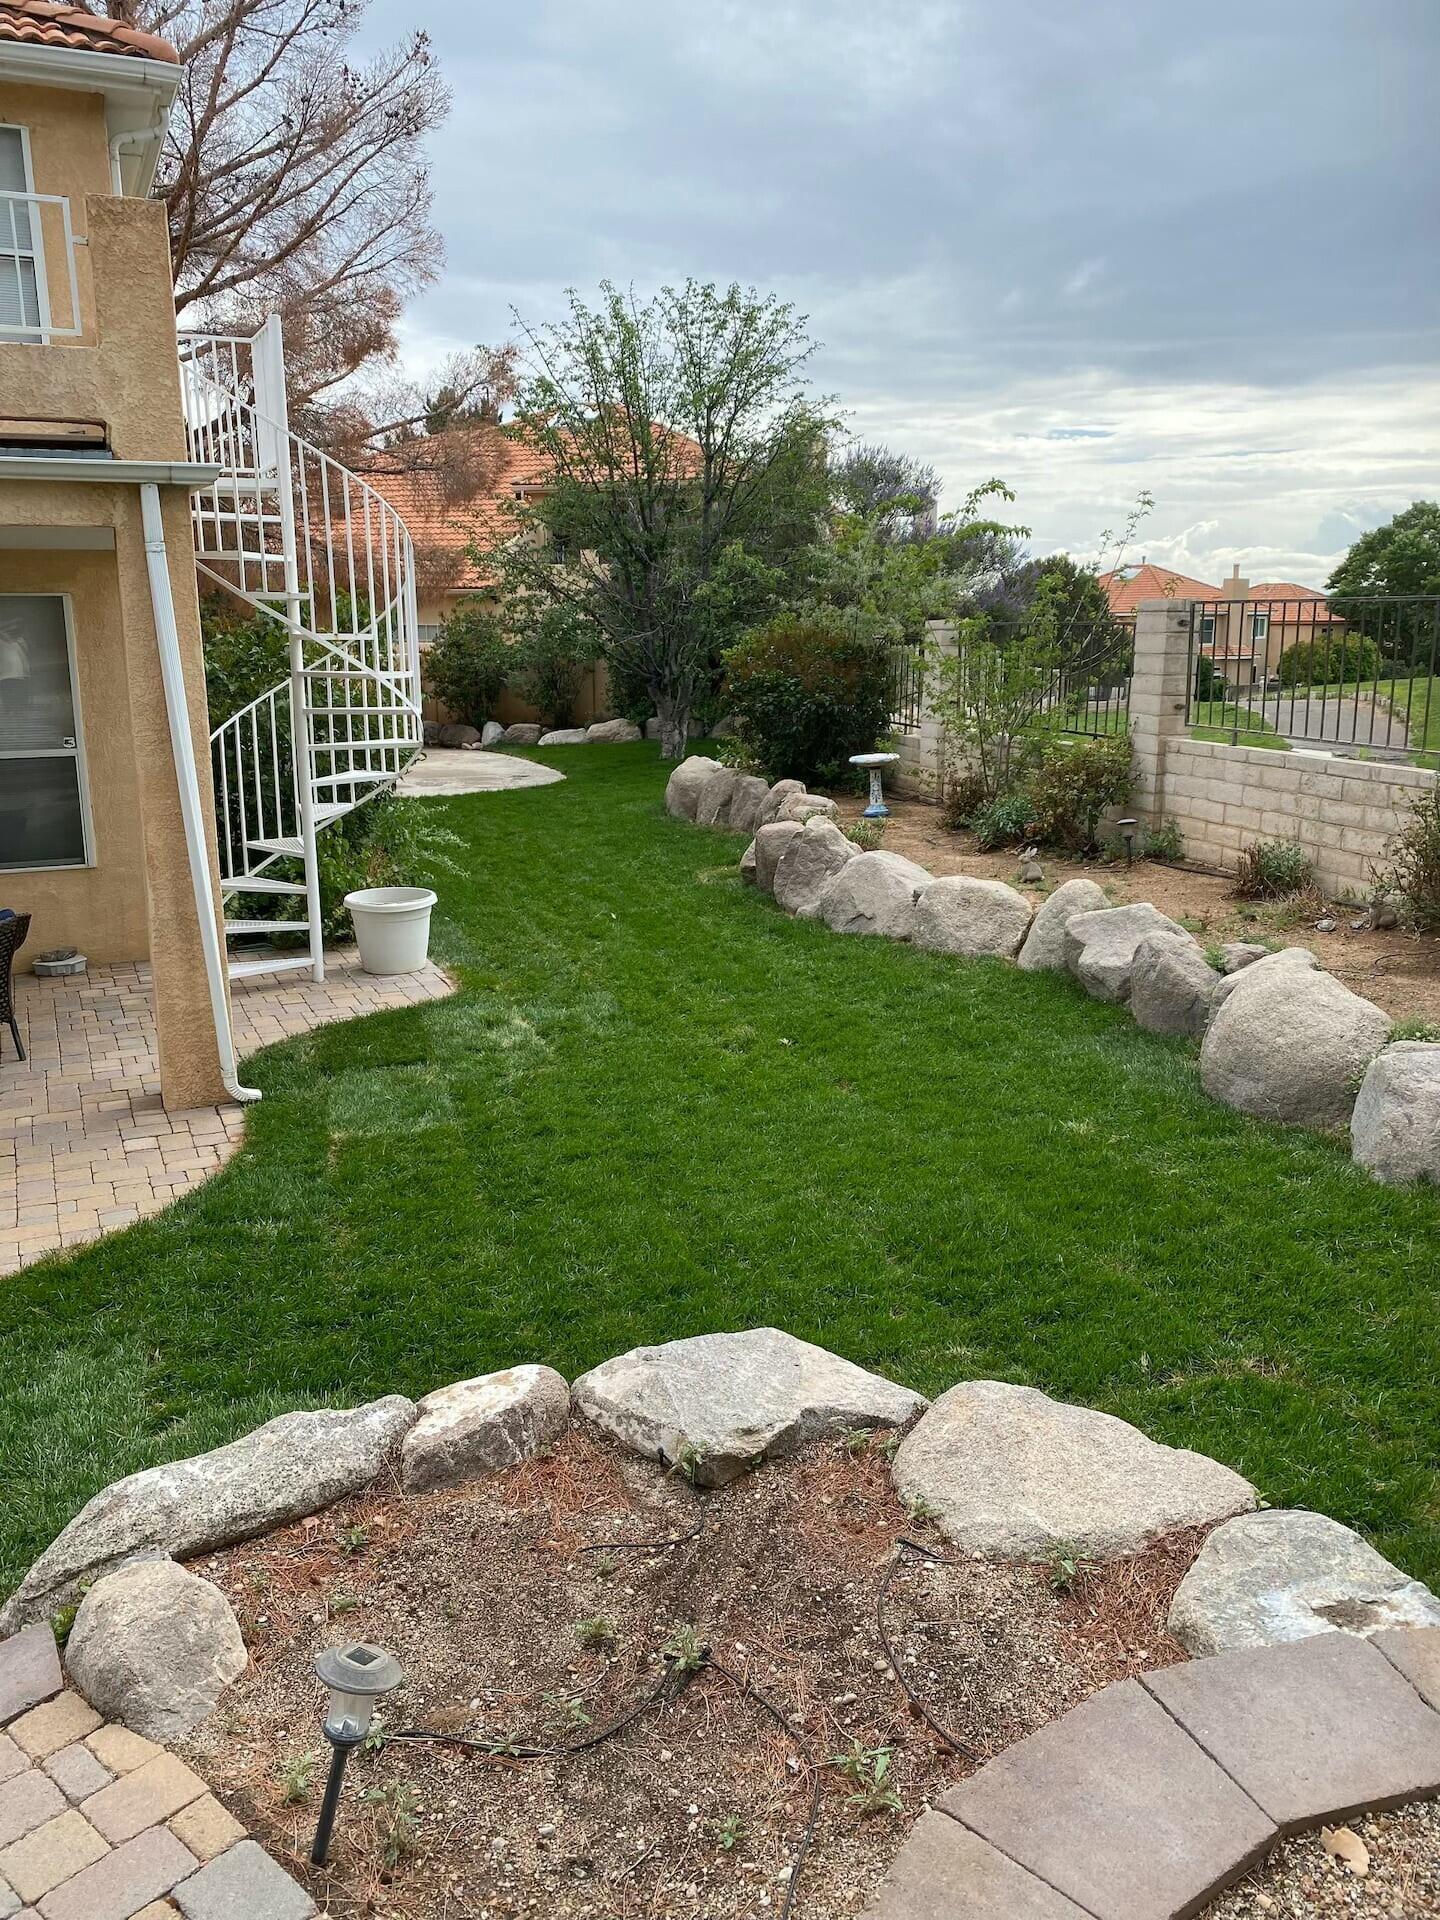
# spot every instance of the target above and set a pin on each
(1088, 246)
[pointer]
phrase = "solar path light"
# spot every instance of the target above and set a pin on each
(356, 1676)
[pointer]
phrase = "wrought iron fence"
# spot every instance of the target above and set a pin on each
(1075, 685)
(907, 688)
(1352, 675)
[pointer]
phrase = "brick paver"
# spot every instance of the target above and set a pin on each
(118, 1886)
(1116, 1807)
(243, 1884)
(29, 1668)
(52, 1853)
(206, 1828)
(27, 1802)
(85, 1145)
(1415, 1652)
(945, 1870)
(120, 1750)
(143, 1798)
(12, 1760)
(1318, 1730)
(61, 1721)
(77, 1772)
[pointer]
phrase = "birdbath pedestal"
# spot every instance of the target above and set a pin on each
(874, 762)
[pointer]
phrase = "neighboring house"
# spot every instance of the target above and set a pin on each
(447, 531)
(128, 459)
(1244, 629)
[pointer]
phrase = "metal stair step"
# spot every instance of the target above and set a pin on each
(261, 883)
(268, 926)
(274, 963)
(291, 843)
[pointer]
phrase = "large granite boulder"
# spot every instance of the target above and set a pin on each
(524, 733)
(716, 1404)
(1262, 968)
(875, 893)
(154, 1646)
(682, 789)
(959, 914)
(455, 733)
(291, 1466)
(808, 864)
(563, 737)
(747, 866)
(775, 799)
(1286, 1575)
(477, 1427)
(430, 733)
(1236, 955)
(1100, 946)
(1044, 947)
(1288, 1044)
(491, 733)
(808, 806)
(1395, 1128)
(712, 809)
(749, 795)
(770, 844)
(617, 733)
(1172, 986)
(1013, 1474)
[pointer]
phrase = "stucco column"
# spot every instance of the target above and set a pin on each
(190, 1066)
(1158, 691)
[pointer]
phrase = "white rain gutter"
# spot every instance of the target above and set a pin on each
(182, 745)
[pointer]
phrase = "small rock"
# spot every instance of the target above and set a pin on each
(959, 914)
(770, 843)
(154, 1646)
(653, 728)
(808, 864)
(1009, 1472)
(430, 733)
(719, 1402)
(1286, 1574)
(682, 789)
(1044, 948)
(477, 1427)
(1395, 1128)
(1236, 955)
(1326, 925)
(873, 894)
(1100, 947)
(613, 732)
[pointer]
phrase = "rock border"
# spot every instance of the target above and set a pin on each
(1319, 1055)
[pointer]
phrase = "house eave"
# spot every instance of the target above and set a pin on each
(160, 473)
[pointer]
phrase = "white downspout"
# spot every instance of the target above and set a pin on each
(182, 745)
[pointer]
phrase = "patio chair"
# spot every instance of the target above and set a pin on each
(13, 929)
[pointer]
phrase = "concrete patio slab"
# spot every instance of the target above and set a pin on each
(86, 1146)
(469, 770)
(1415, 1652)
(1318, 1729)
(1116, 1807)
(945, 1870)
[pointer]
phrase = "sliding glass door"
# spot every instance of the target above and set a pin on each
(44, 810)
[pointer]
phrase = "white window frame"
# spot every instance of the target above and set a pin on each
(37, 241)
(75, 753)
(1259, 627)
(1207, 629)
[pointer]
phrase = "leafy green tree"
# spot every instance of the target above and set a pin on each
(469, 663)
(895, 493)
(1403, 556)
(557, 647)
(673, 429)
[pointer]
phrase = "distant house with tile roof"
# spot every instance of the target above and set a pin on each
(1244, 629)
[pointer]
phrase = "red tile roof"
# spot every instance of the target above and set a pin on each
(443, 529)
(1125, 591)
(46, 23)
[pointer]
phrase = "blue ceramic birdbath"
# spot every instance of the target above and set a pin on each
(874, 762)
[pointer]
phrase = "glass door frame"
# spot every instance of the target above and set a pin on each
(36, 252)
(75, 753)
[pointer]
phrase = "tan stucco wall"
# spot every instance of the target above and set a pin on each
(70, 156)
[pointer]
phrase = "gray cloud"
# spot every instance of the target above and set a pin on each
(1062, 239)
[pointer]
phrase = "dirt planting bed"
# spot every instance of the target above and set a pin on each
(533, 1610)
(1399, 971)
(1383, 1866)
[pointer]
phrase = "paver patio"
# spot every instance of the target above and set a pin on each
(85, 1144)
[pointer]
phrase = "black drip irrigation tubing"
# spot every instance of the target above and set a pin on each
(902, 1547)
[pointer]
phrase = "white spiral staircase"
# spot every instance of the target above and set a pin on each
(311, 546)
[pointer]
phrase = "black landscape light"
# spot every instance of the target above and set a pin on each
(357, 1676)
(1127, 829)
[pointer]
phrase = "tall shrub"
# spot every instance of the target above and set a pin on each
(553, 657)
(1413, 863)
(805, 693)
(469, 663)
(1072, 783)
(1329, 660)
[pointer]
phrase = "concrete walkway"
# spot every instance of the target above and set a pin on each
(1156, 1793)
(468, 770)
(85, 1144)
(98, 1824)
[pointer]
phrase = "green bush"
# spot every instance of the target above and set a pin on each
(1001, 822)
(245, 655)
(469, 663)
(552, 660)
(387, 842)
(1072, 783)
(806, 693)
(1206, 676)
(1273, 870)
(1413, 864)
(1329, 660)
(965, 794)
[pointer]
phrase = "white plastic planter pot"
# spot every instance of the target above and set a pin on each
(392, 926)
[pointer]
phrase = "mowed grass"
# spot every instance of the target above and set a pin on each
(1224, 720)
(658, 1108)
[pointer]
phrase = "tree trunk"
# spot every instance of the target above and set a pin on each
(674, 719)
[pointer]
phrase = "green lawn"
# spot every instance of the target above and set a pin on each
(659, 1107)
(1223, 719)
(1416, 704)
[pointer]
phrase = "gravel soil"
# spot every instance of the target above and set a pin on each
(531, 1610)
(1401, 1880)
(1399, 971)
